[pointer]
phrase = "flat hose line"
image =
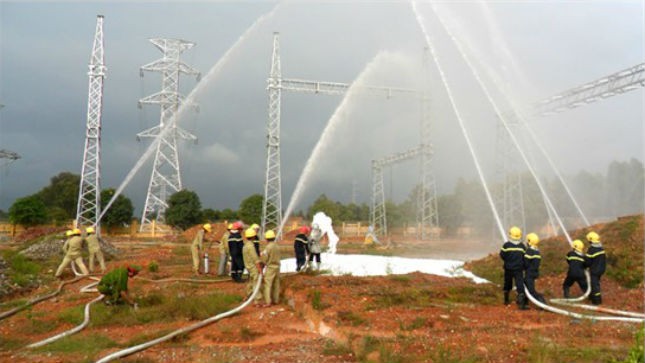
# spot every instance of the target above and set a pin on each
(143, 346)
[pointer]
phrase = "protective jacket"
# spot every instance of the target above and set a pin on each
(576, 263)
(73, 247)
(512, 252)
(113, 283)
(532, 259)
(92, 243)
(595, 259)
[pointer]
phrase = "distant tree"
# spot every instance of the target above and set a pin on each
(209, 214)
(28, 211)
(184, 209)
(120, 212)
(251, 209)
(62, 192)
(228, 214)
(3, 215)
(450, 216)
(326, 205)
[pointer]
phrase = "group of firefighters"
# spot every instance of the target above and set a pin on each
(522, 265)
(73, 248)
(244, 253)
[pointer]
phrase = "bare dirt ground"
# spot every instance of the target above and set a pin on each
(396, 318)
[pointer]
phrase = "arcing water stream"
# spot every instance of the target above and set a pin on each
(200, 87)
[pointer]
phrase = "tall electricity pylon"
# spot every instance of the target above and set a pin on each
(89, 196)
(166, 177)
(272, 204)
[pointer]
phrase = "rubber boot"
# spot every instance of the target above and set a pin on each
(596, 300)
(507, 299)
(565, 292)
(521, 301)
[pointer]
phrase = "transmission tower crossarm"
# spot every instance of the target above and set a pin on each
(400, 156)
(335, 88)
(163, 64)
(620, 82)
(6, 154)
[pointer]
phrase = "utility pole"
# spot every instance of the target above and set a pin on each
(89, 196)
(166, 178)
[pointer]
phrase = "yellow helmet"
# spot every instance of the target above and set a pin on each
(515, 233)
(69, 233)
(250, 232)
(76, 231)
(89, 230)
(593, 237)
(270, 235)
(578, 245)
(230, 226)
(255, 226)
(532, 239)
(207, 227)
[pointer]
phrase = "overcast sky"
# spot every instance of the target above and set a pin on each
(537, 48)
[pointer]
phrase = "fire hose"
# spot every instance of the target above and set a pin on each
(86, 320)
(143, 346)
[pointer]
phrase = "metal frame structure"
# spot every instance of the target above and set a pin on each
(89, 196)
(510, 198)
(378, 213)
(272, 205)
(166, 176)
(617, 83)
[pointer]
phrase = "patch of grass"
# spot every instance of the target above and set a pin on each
(73, 315)
(368, 344)
(351, 318)
(11, 344)
(22, 270)
(316, 300)
(39, 326)
(181, 251)
(153, 266)
(387, 297)
(388, 355)
(144, 337)
(333, 348)
(445, 355)
(247, 334)
(636, 352)
(417, 323)
(484, 294)
(89, 344)
(542, 351)
(399, 278)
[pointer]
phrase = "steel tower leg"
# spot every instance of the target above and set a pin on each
(377, 213)
(510, 196)
(89, 197)
(272, 204)
(166, 176)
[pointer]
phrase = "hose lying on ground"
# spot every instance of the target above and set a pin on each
(186, 280)
(86, 320)
(8, 313)
(143, 346)
(575, 299)
(577, 315)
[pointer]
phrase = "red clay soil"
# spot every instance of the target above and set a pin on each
(408, 318)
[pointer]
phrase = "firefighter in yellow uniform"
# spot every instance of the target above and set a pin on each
(198, 246)
(224, 253)
(252, 263)
(94, 249)
(73, 248)
(271, 259)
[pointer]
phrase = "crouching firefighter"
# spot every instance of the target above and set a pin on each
(532, 259)
(114, 285)
(576, 272)
(512, 253)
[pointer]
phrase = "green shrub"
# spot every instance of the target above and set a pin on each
(316, 300)
(636, 353)
(153, 266)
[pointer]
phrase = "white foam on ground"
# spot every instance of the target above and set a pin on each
(371, 265)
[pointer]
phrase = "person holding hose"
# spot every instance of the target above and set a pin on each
(271, 259)
(532, 259)
(197, 246)
(512, 253)
(94, 248)
(596, 261)
(252, 264)
(223, 251)
(73, 248)
(114, 285)
(576, 272)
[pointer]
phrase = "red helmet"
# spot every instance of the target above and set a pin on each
(238, 225)
(304, 229)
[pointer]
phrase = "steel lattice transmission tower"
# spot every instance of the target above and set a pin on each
(166, 178)
(89, 196)
(272, 204)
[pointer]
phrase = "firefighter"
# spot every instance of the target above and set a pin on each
(271, 259)
(73, 247)
(596, 261)
(114, 285)
(252, 263)
(576, 272)
(235, 244)
(223, 250)
(94, 248)
(532, 259)
(300, 246)
(314, 245)
(512, 253)
(198, 246)
(256, 240)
